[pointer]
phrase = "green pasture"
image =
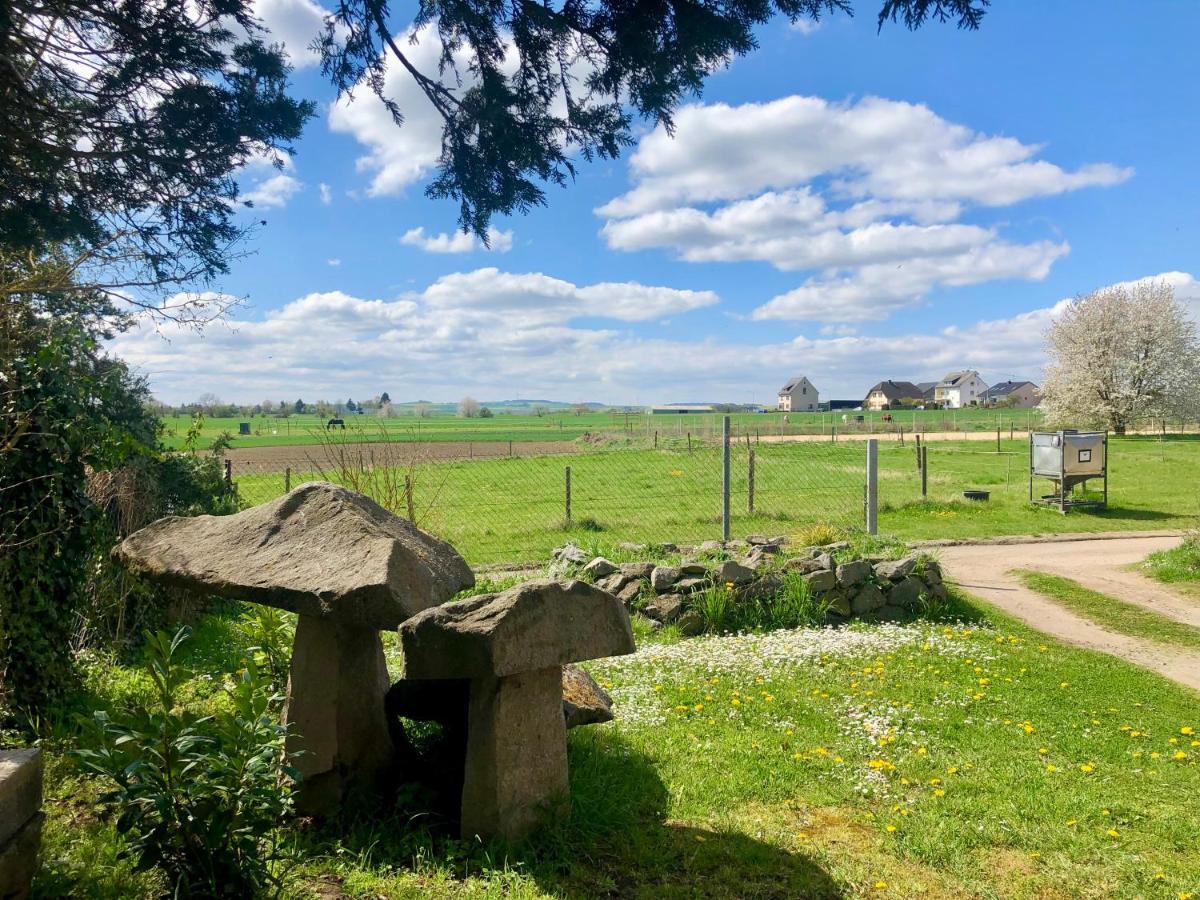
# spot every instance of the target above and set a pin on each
(268, 431)
(513, 509)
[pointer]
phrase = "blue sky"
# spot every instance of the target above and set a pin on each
(843, 204)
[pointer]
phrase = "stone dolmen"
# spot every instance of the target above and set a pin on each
(20, 820)
(493, 669)
(511, 648)
(350, 569)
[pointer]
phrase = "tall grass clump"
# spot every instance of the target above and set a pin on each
(725, 609)
(1180, 563)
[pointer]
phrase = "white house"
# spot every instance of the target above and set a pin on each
(959, 389)
(1013, 394)
(798, 395)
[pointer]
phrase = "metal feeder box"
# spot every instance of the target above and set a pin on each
(1070, 459)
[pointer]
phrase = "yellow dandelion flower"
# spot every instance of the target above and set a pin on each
(1071, 823)
(1043, 750)
(939, 792)
(1187, 729)
(698, 707)
(881, 885)
(1112, 833)
(1065, 684)
(889, 828)
(1051, 768)
(1179, 754)
(1087, 768)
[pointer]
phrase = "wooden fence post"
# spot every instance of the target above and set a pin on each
(287, 479)
(924, 471)
(229, 472)
(568, 476)
(408, 499)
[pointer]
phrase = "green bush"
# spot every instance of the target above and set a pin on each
(200, 797)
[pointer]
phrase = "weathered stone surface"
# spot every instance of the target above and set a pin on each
(637, 569)
(733, 572)
(854, 572)
(906, 593)
(802, 565)
(662, 577)
(599, 567)
(631, 546)
(737, 544)
(868, 599)
(571, 554)
(20, 790)
(839, 604)
(630, 592)
(825, 560)
(932, 573)
(710, 546)
(938, 589)
(19, 859)
(690, 584)
(821, 581)
(692, 567)
(529, 627)
(691, 624)
(895, 569)
(889, 613)
(613, 583)
(758, 561)
(668, 548)
(836, 546)
(516, 762)
(336, 711)
(584, 701)
(761, 588)
(665, 608)
(762, 540)
(321, 550)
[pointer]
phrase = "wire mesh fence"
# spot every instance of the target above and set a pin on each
(496, 507)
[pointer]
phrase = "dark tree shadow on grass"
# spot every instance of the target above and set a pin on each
(617, 842)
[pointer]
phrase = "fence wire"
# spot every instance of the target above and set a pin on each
(499, 507)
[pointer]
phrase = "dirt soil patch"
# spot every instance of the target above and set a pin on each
(266, 460)
(986, 570)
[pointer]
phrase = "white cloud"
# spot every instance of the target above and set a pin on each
(274, 191)
(865, 195)
(804, 26)
(396, 156)
(335, 262)
(497, 334)
(295, 24)
(326, 193)
(457, 242)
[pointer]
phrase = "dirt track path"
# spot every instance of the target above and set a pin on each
(1100, 564)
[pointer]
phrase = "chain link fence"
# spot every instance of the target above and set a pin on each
(500, 503)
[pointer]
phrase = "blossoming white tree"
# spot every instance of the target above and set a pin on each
(1120, 354)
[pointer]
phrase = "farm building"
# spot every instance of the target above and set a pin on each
(927, 389)
(959, 389)
(667, 409)
(798, 395)
(1013, 394)
(887, 394)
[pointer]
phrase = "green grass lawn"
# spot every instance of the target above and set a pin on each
(511, 509)
(1110, 612)
(298, 430)
(929, 759)
(1178, 567)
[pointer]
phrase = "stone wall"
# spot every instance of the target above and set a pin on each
(853, 586)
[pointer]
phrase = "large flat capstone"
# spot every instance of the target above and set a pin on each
(532, 626)
(320, 550)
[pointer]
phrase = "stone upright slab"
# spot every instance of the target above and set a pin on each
(350, 569)
(512, 646)
(20, 820)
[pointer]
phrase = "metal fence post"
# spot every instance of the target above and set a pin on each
(750, 479)
(872, 486)
(725, 478)
(568, 474)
